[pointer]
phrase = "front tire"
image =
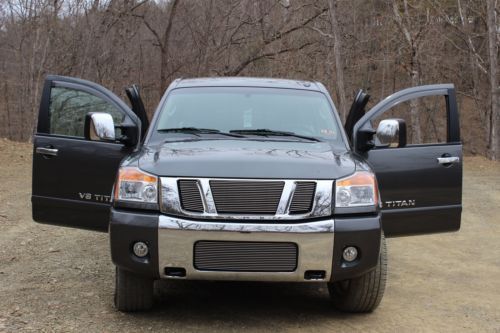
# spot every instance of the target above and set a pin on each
(132, 292)
(364, 293)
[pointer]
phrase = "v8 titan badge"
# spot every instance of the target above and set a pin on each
(94, 197)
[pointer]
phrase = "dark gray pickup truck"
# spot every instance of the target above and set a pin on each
(243, 179)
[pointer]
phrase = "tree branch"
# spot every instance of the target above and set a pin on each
(254, 58)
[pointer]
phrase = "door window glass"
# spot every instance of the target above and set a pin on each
(427, 125)
(68, 108)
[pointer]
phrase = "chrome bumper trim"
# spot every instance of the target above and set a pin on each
(176, 238)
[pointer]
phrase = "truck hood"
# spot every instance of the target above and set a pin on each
(246, 159)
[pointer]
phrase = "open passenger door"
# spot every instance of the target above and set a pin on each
(73, 172)
(420, 184)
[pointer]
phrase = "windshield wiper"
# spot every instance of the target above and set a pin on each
(268, 132)
(196, 131)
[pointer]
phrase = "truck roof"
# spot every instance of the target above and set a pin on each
(247, 82)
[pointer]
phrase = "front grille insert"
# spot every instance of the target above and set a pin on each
(245, 256)
(246, 197)
(190, 196)
(303, 196)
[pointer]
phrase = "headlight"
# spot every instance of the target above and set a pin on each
(134, 185)
(359, 189)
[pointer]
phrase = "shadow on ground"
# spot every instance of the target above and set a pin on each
(241, 303)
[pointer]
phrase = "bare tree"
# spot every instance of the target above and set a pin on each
(465, 39)
(345, 44)
(494, 138)
(337, 53)
(413, 42)
(264, 46)
(163, 42)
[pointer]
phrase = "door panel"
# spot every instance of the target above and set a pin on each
(419, 195)
(73, 177)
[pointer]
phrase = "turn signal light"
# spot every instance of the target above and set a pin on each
(135, 185)
(359, 189)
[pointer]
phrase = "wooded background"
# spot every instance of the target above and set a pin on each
(379, 45)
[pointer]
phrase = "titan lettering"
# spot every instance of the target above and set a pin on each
(400, 203)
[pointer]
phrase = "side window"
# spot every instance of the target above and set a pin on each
(68, 108)
(428, 125)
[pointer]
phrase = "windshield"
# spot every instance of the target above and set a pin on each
(250, 112)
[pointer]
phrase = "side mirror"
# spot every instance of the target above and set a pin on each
(391, 133)
(99, 126)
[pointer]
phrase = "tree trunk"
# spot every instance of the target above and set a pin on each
(494, 139)
(163, 69)
(413, 67)
(339, 67)
(164, 48)
(416, 131)
(473, 56)
(7, 107)
(206, 49)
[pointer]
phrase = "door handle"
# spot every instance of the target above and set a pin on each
(47, 151)
(448, 160)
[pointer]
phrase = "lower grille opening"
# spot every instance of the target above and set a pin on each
(245, 256)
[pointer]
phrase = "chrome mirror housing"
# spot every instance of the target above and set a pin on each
(391, 133)
(99, 126)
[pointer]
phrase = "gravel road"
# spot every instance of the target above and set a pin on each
(59, 279)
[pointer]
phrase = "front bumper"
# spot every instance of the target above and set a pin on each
(176, 239)
(171, 241)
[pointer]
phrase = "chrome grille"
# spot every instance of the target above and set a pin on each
(302, 199)
(245, 256)
(190, 195)
(246, 197)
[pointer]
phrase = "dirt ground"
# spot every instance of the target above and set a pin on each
(59, 279)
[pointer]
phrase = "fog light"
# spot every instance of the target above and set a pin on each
(350, 253)
(141, 249)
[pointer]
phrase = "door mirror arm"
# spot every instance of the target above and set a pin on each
(130, 134)
(364, 139)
